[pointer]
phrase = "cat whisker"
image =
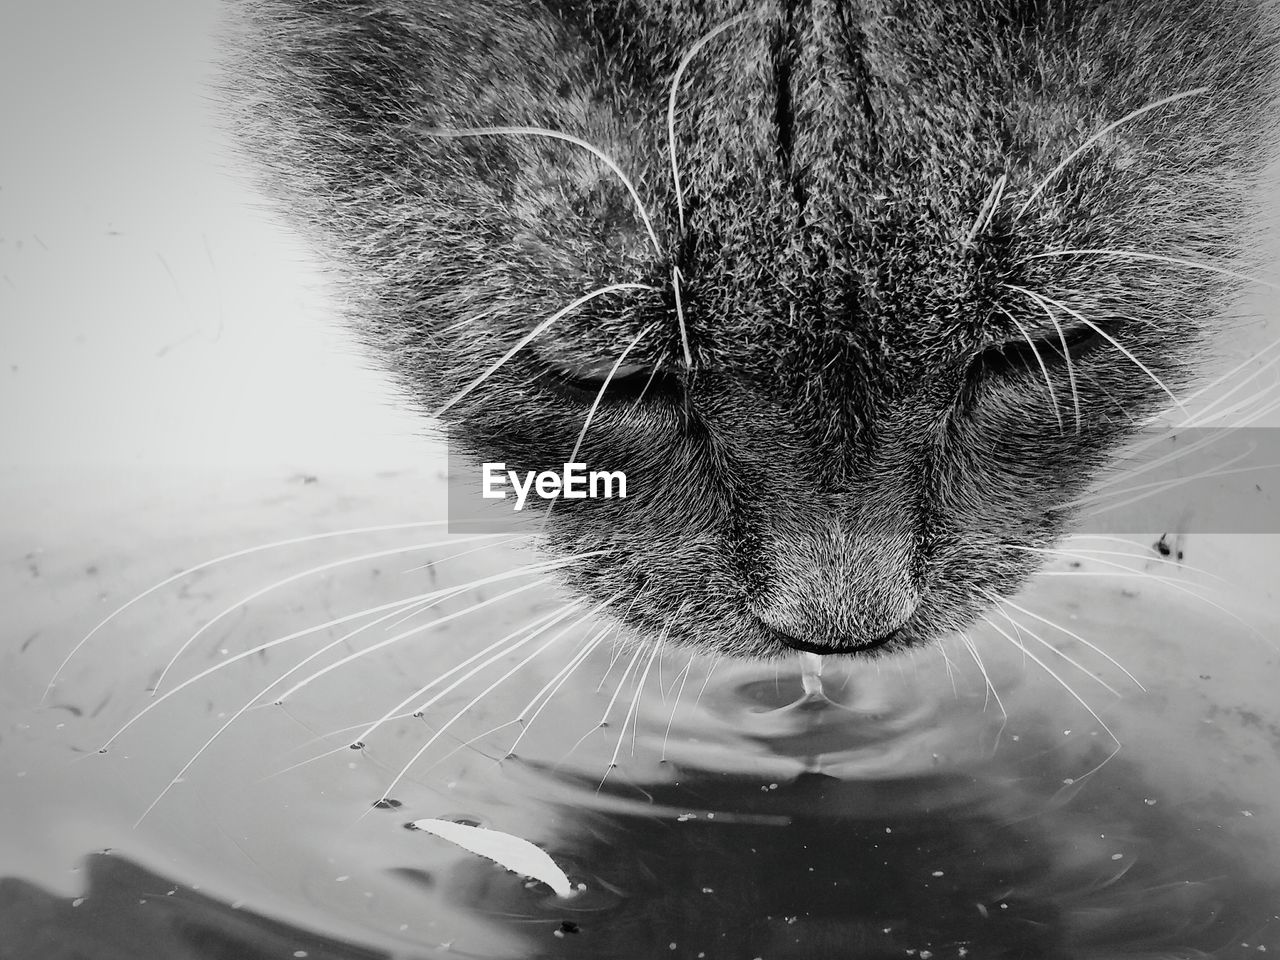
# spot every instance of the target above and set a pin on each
(595, 404)
(502, 647)
(991, 692)
(293, 578)
(988, 209)
(1110, 339)
(676, 277)
(1154, 258)
(1162, 461)
(1146, 557)
(1006, 602)
(396, 606)
(1066, 351)
(706, 681)
(566, 611)
(224, 558)
(604, 717)
(1019, 627)
(468, 743)
(248, 704)
(484, 693)
(671, 107)
(631, 711)
(1053, 174)
(552, 686)
(681, 678)
(1065, 686)
(566, 138)
(507, 541)
(1203, 419)
(950, 668)
(1239, 368)
(533, 334)
(1044, 370)
(421, 628)
(1171, 583)
(1145, 490)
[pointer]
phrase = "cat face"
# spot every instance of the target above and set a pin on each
(853, 371)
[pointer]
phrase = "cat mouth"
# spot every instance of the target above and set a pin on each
(831, 646)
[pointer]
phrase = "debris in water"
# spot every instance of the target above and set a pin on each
(517, 855)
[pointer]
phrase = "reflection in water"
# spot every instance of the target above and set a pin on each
(991, 860)
(918, 807)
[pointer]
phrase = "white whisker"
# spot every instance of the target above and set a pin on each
(502, 646)
(676, 277)
(552, 686)
(1111, 340)
(1161, 486)
(485, 692)
(1146, 557)
(604, 717)
(990, 692)
(671, 108)
(245, 707)
(1098, 136)
(252, 651)
(682, 678)
(988, 209)
(1044, 370)
(1065, 686)
(1161, 461)
(1155, 258)
(545, 567)
(595, 404)
(247, 551)
(631, 713)
(534, 333)
(567, 138)
(1019, 627)
(1066, 352)
(1238, 368)
(293, 578)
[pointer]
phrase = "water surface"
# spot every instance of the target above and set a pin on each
(725, 810)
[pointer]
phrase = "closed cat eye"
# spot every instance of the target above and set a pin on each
(630, 382)
(1022, 355)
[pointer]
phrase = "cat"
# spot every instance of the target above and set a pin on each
(859, 295)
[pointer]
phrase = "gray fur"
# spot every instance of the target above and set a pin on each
(836, 470)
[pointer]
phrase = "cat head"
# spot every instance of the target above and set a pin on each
(806, 269)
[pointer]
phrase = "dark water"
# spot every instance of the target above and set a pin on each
(721, 810)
